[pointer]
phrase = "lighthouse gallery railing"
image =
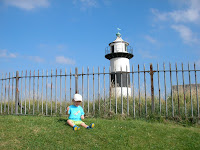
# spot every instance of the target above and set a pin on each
(168, 92)
(129, 49)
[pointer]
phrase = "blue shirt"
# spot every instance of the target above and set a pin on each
(75, 113)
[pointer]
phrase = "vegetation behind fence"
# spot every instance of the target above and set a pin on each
(168, 92)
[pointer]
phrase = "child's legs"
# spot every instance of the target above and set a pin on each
(84, 125)
(70, 123)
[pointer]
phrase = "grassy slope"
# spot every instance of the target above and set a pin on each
(33, 132)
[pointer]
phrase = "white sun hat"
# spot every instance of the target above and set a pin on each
(77, 97)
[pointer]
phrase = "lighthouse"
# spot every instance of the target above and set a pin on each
(119, 52)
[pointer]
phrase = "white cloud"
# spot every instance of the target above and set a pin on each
(35, 59)
(85, 4)
(150, 39)
(27, 4)
(159, 15)
(63, 60)
(186, 34)
(181, 19)
(6, 54)
(190, 14)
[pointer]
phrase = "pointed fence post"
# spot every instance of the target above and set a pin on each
(16, 92)
(76, 80)
(152, 89)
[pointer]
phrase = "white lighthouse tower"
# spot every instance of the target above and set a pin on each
(119, 52)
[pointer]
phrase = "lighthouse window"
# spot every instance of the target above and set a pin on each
(125, 48)
(112, 49)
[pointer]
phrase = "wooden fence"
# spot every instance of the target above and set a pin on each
(168, 92)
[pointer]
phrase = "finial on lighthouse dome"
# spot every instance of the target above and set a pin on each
(118, 34)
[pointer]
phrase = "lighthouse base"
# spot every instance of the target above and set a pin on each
(120, 91)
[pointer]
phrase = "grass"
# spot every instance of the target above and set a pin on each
(38, 132)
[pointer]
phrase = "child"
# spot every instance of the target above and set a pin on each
(76, 113)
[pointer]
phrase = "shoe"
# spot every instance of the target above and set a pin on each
(91, 126)
(75, 128)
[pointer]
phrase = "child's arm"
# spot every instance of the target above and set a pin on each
(82, 113)
(67, 110)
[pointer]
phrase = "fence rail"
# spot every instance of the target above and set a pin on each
(165, 92)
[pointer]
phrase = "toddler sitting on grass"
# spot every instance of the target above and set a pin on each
(76, 114)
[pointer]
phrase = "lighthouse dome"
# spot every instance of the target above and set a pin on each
(119, 48)
(119, 40)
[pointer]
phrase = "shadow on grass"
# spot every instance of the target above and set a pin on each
(63, 121)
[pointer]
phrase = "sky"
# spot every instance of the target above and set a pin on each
(64, 34)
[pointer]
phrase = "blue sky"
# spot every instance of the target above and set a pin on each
(50, 34)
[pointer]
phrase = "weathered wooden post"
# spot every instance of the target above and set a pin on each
(76, 80)
(139, 90)
(152, 89)
(17, 92)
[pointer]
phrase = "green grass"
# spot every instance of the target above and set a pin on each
(38, 132)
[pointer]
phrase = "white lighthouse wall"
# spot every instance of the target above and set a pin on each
(118, 91)
(117, 63)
